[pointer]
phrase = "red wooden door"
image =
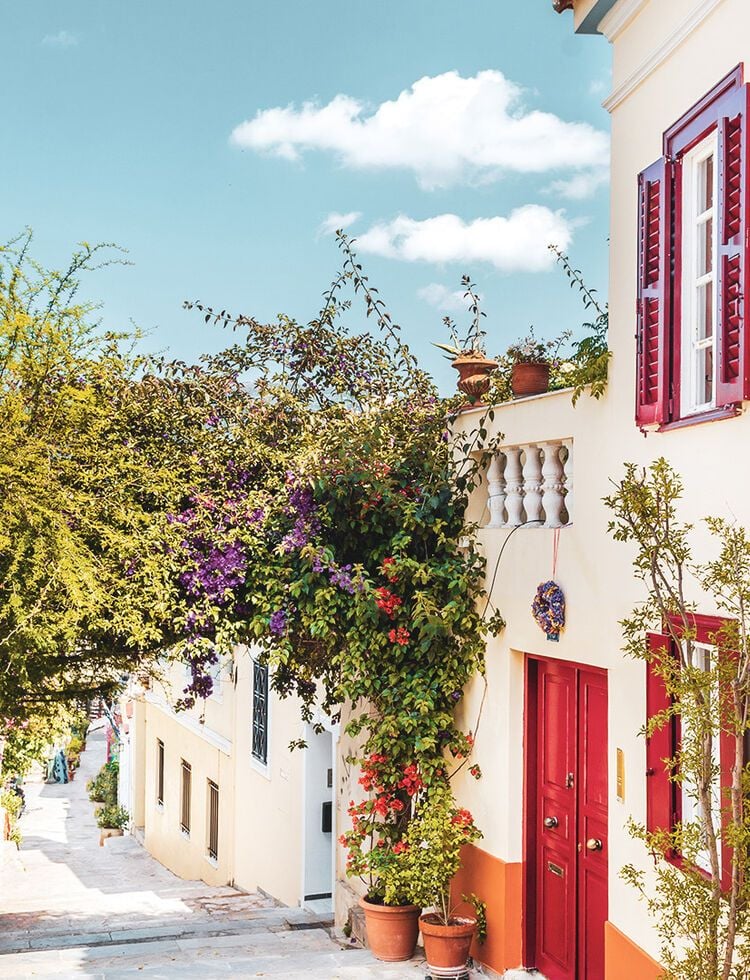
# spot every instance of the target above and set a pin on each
(569, 780)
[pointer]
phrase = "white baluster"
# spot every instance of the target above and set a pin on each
(552, 495)
(496, 490)
(568, 467)
(514, 486)
(532, 484)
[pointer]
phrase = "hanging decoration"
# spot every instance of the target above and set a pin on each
(548, 607)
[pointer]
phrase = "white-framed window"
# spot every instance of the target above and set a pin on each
(260, 718)
(692, 810)
(212, 821)
(159, 772)
(699, 265)
(185, 794)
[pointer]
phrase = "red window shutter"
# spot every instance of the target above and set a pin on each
(654, 207)
(733, 383)
(660, 744)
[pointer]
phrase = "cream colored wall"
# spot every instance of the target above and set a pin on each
(594, 571)
(203, 738)
(710, 457)
(268, 810)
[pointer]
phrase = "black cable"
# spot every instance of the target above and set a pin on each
(497, 563)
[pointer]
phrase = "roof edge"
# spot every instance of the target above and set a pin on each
(592, 20)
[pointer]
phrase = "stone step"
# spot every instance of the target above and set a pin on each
(286, 956)
(255, 921)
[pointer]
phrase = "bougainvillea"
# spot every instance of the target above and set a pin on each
(355, 585)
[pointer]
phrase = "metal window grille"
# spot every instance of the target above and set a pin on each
(185, 807)
(260, 712)
(160, 772)
(213, 820)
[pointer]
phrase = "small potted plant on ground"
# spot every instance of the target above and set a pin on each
(531, 360)
(426, 863)
(112, 820)
(468, 356)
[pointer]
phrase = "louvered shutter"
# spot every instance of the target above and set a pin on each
(733, 347)
(660, 744)
(654, 206)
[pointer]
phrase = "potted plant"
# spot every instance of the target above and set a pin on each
(468, 356)
(531, 360)
(374, 844)
(426, 863)
(112, 820)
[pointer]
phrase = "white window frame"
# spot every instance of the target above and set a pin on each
(692, 220)
(691, 810)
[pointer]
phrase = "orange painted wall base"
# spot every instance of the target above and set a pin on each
(623, 960)
(499, 885)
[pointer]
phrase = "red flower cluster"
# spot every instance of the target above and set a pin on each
(386, 803)
(463, 818)
(412, 781)
(371, 778)
(475, 771)
(387, 601)
(388, 569)
(400, 847)
(400, 636)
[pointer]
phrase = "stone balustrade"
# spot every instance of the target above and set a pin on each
(531, 484)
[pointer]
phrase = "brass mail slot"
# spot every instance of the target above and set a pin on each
(555, 869)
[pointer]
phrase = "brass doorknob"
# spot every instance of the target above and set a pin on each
(594, 844)
(550, 822)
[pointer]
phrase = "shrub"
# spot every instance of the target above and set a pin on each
(11, 802)
(103, 787)
(112, 817)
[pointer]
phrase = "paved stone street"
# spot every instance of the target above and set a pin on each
(69, 908)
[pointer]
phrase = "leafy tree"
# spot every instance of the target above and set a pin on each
(704, 928)
(98, 444)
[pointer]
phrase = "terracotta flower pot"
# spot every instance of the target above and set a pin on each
(474, 375)
(529, 379)
(447, 947)
(392, 930)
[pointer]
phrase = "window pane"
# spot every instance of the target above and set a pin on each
(705, 184)
(705, 311)
(705, 247)
(705, 375)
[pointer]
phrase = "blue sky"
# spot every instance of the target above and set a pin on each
(125, 124)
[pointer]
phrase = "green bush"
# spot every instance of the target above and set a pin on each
(103, 787)
(11, 803)
(112, 817)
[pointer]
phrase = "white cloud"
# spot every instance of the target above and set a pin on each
(446, 129)
(336, 220)
(444, 299)
(63, 39)
(579, 186)
(516, 243)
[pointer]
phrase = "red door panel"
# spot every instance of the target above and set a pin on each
(556, 854)
(592, 823)
(569, 780)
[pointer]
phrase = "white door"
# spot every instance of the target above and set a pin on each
(319, 829)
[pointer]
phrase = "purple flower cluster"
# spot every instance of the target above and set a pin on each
(217, 569)
(278, 622)
(302, 508)
(341, 577)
